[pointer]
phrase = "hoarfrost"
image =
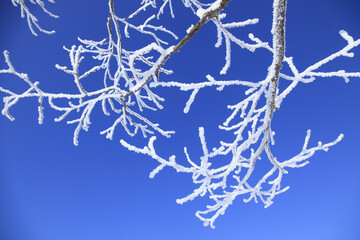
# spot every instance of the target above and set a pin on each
(129, 90)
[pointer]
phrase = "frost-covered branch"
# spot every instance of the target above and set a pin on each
(117, 83)
(129, 92)
(31, 19)
(124, 87)
(250, 122)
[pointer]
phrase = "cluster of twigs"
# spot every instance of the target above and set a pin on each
(128, 90)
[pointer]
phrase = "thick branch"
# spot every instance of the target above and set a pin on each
(278, 32)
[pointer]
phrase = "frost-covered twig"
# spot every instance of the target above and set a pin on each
(195, 87)
(31, 19)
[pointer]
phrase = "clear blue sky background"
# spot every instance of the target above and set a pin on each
(52, 190)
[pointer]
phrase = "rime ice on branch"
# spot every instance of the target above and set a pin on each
(129, 90)
(249, 121)
(31, 19)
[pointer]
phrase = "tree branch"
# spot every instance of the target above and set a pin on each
(209, 14)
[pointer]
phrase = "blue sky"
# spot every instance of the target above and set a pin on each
(52, 190)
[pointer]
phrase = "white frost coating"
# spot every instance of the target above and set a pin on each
(241, 24)
(31, 19)
(189, 29)
(128, 93)
(200, 12)
(161, 10)
(213, 6)
(224, 33)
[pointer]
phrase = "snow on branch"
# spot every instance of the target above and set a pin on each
(31, 19)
